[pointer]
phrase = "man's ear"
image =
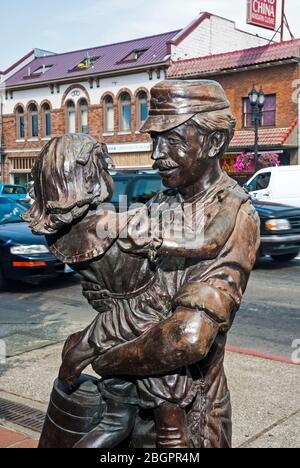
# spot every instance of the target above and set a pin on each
(217, 141)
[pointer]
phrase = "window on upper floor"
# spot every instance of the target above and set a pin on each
(20, 122)
(125, 112)
(46, 120)
(83, 116)
(70, 117)
(141, 109)
(268, 114)
(33, 121)
(109, 115)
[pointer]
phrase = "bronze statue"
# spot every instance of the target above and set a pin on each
(166, 293)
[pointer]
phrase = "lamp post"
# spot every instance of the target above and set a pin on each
(257, 101)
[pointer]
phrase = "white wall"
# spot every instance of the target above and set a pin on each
(215, 35)
(113, 85)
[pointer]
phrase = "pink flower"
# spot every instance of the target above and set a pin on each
(245, 162)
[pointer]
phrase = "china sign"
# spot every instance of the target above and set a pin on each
(262, 13)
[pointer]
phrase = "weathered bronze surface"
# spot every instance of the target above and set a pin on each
(166, 293)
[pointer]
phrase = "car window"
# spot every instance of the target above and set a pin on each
(145, 189)
(12, 190)
(260, 182)
(8, 190)
(10, 212)
(20, 191)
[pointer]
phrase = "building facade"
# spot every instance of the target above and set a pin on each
(103, 91)
(275, 68)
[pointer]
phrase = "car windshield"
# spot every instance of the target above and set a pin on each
(10, 212)
(145, 189)
(119, 189)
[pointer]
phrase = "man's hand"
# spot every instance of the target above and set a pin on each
(183, 339)
(142, 234)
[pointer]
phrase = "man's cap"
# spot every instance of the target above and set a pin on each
(174, 102)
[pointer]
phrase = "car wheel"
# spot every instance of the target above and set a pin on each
(3, 283)
(284, 258)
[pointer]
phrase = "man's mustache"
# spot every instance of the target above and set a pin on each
(165, 164)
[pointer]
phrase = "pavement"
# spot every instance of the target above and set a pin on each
(14, 439)
(264, 384)
(265, 396)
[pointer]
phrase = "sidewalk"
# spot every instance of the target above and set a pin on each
(12, 439)
(265, 396)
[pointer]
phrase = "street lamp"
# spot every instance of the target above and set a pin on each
(257, 101)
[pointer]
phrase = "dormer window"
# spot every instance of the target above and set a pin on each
(37, 72)
(134, 55)
(41, 70)
(87, 63)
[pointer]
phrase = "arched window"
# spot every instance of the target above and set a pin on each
(125, 112)
(83, 116)
(46, 120)
(20, 122)
(141, 109)
(109, 115)
(71, 117)
(33, 121)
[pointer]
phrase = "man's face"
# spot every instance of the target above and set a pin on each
(180, 155)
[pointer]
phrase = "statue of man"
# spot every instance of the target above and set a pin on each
(167, 293)
(191, 125)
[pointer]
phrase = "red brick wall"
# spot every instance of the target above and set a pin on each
(274, 80)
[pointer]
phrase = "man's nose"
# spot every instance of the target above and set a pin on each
(159, 150)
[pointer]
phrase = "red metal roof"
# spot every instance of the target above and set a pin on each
(109, 58)
(231, 60)
(267, 136)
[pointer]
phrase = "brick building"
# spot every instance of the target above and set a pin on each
(275, 67)
(103, 91)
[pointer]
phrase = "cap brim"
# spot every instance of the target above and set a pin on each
(162, 123)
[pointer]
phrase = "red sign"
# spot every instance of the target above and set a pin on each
(262, 13)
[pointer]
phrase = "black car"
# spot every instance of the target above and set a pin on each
(280, 230)
(280, 224)
(135, 187)
(23, 256)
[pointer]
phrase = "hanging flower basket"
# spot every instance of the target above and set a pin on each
(246, 162)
